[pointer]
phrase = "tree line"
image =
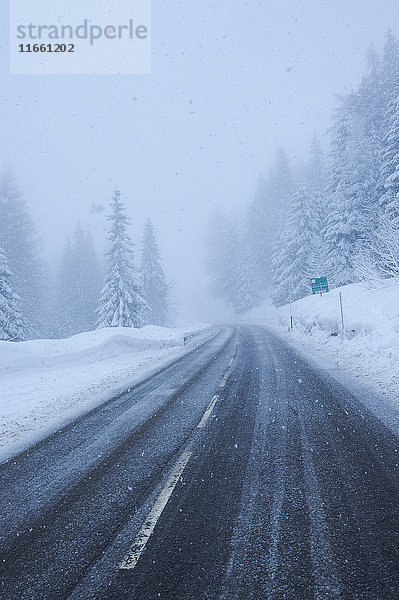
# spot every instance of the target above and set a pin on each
(82, 297)
(335, 215)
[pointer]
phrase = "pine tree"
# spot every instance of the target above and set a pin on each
(293, 250)
(351, 197)
(229, 264)
(282, 182)
(262, 218)
(316, 189)
(79, 285)
(390, 65)
(244, 293)
(316, 170)
(389, 175)
(63, 305)
(155, 288)
(19, 241)
(12, 325)
(217, 260)
(122, 303)
(264, 215)
(369, 101)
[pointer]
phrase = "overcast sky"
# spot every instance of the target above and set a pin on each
(231, 81)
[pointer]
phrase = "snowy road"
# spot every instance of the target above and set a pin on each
(259, 477)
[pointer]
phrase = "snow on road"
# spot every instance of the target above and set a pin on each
(370, 347)
(47, 383)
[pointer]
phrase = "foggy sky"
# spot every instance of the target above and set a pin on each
(231, 82)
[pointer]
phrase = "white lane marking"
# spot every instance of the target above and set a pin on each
(137, 548)
(207, 413)
(227, 374)
(224, 380)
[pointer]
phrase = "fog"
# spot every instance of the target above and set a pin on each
(231, 82)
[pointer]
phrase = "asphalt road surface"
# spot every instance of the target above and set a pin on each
(240, 472)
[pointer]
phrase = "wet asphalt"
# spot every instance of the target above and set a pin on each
(291, 490)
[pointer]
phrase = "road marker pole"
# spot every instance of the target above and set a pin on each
(291, 319)
(342, 315)
(290, 297)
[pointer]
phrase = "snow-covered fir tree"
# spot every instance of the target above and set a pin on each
(63, 302)
(389, 176)
(121, 303)
(293, 250)
(351, 193)
(390, 65)
(231, 260)
(389, 92)
(316, 168)
(316, 190)
(261, 223)
(353, 199)
(78, 286)
(244, 293)
(264, 214)
(229, 264)
(12, 325)
(20, 243)
(217, 244)
(155, 288)
(282, 183)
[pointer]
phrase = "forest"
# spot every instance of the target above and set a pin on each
(335, 214)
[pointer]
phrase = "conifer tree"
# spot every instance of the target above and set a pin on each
(244, 293)
(352, 190)
(217, 260)
(390, 65)
(78, 286)
(293, 249)
(20, 243)
(63, 305)
(316, 189)
(155, 288)
(12, 325)
(121, 303)
(389, 175)
(265, 212)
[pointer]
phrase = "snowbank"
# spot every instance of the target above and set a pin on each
(47, 383)
(93, 346)
(370, 346)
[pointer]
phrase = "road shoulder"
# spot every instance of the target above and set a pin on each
(384, 406)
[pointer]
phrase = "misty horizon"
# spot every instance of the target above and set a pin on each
(176, 150)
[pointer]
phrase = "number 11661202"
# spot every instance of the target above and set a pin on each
(46, 47)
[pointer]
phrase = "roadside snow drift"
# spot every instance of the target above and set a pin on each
(47, 383)
(370, 345)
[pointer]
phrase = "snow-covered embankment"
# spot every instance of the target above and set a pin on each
(370, 347)
(47, 383)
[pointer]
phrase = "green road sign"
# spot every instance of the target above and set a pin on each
(319, 285)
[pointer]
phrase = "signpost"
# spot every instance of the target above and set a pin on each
(342, 315)
(319, 285)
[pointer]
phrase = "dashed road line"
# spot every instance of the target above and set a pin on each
(224, 380)
(227, 374)
(136, 550)
(207, 413)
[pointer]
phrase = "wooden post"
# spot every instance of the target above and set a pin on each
(342, 314)
(291, 319)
